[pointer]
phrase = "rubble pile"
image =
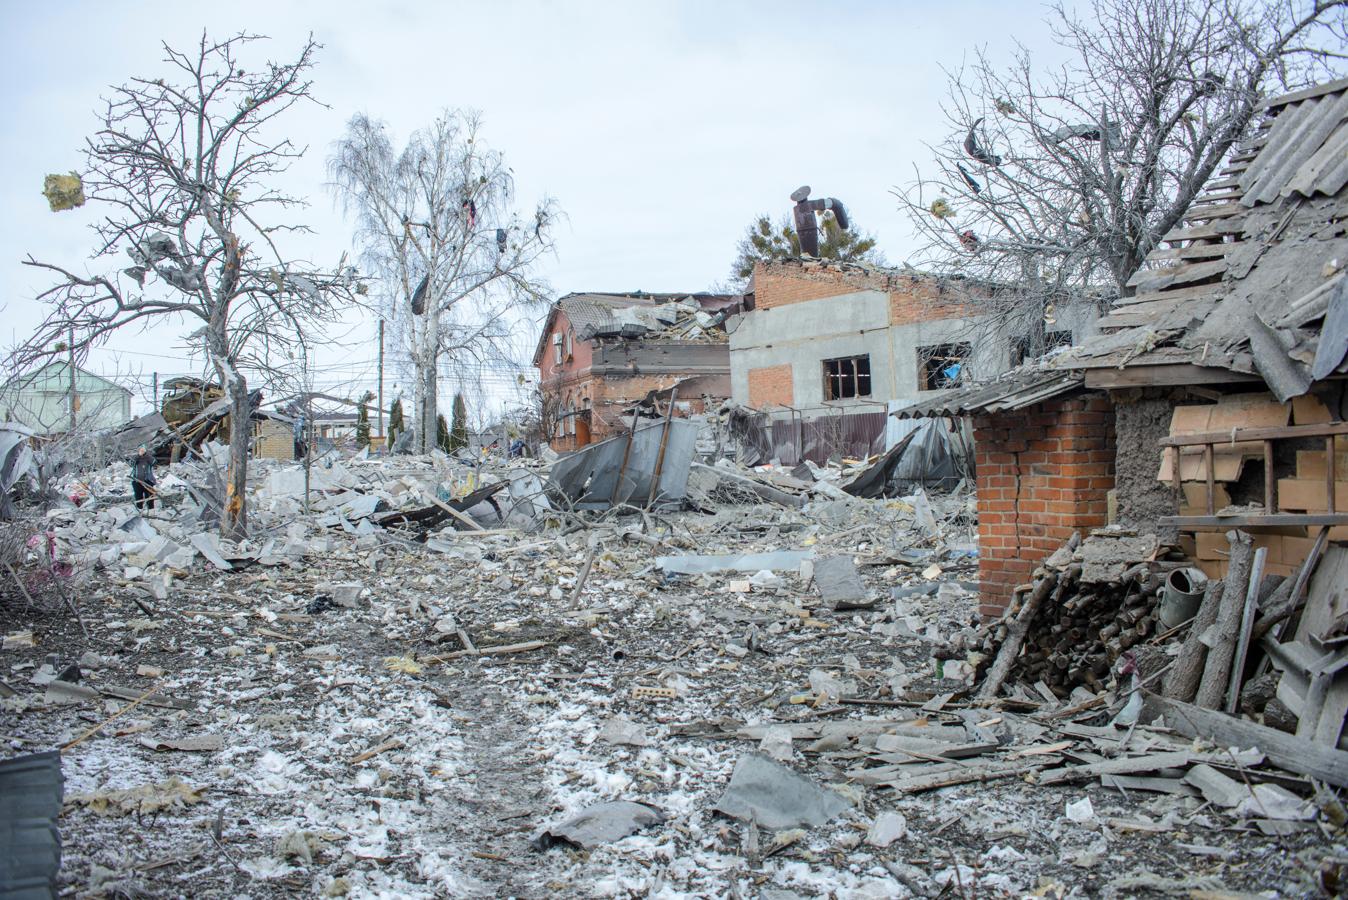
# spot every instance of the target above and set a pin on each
(532, 699)
(678, 320)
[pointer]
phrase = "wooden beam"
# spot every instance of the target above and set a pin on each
(1164, 374)
(1280, 432)
(1282, 749)
(1221, 523)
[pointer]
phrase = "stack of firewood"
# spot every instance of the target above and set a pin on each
(1089, 603)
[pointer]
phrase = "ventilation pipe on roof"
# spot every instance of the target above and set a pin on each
(807, 226)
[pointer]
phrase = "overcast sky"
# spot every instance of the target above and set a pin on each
(661, 129)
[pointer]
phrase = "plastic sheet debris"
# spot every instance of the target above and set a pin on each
(16, 462)
(63, 191)
(887, 828)
(778, 560)
(618, 730)
(932, 455)
(773, 796)
(600, 824)
(1081, 811)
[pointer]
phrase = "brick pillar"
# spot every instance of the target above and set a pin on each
(1043, 473)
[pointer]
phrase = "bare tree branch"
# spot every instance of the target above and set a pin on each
(183, 166)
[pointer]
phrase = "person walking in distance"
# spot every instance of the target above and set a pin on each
(142, 478)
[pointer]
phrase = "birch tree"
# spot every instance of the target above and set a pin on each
(455, 261)
(1055, 182)
(184, 172)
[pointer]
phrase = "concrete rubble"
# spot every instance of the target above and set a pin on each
(432, 678)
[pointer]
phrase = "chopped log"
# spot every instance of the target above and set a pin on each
(1243, 634)
(1283, 750)
(1015, 636)
(1217, 668)
(1182, 682)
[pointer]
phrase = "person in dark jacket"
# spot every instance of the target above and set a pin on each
(142, 478)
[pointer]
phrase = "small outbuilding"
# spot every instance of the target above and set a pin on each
(1213, 398)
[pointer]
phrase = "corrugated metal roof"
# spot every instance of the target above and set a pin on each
(31, 789)
(1015, 390)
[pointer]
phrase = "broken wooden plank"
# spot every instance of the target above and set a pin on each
(1283, 750)
(991, 771)
(1172, 759)
(1237, 676)
(393, 744)
(524, 647)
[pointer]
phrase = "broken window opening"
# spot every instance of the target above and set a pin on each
(1020, 346)
(847, 377)
(942, 366)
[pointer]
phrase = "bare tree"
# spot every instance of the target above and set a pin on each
(1058, 182)
(185, 170)
(437, 225)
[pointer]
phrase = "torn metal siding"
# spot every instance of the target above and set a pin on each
(31, 789)
(620, 470)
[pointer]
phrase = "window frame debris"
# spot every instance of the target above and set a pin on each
(933, 361)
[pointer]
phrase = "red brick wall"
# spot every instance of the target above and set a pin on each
(771, 386)
(912, 298)
(924, 299)
(1043, 472)
(781, 284)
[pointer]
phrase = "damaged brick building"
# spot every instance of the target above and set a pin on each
(828, 350)
(599, 355)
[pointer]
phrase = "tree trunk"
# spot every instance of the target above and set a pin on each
(1217, 670)
(428, 361)
(234, 516)
(1182, 681)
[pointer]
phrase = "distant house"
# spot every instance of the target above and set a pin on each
(42, 400)
(600, 354)
(273, 436)
(334, 425)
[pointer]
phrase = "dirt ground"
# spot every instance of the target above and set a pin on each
(355, 759)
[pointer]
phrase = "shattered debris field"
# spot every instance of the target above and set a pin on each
(554, 709)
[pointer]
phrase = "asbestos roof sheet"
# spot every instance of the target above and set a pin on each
(1244, 280)
(1015, 390)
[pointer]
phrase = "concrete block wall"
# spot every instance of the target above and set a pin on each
(1043, 473)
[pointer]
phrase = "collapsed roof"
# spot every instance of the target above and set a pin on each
(671, 317)
(1252, 280)
(1251, 283)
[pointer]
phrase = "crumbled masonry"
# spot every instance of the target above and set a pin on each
(434, 677)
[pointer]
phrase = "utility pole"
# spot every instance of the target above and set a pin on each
(155, 382)
(74, 398)
(381, 378)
